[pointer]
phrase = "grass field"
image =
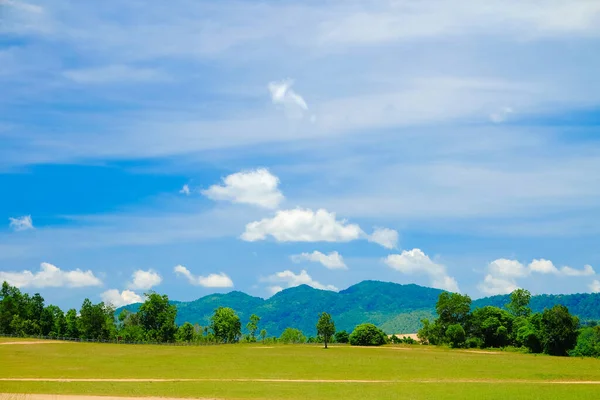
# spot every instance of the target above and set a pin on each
(410, 372)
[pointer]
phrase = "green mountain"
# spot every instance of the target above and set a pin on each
(393, 307)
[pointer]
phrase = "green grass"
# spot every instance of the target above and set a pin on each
(399, 364)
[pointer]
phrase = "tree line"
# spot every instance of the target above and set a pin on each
(554, 331)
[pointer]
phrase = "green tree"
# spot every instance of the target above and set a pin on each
(588, 343)
(157, 318)
(325, 327)
(529, 333)
(456, 335)
(492, 325)
(252, 326)
(452, 308)
(342, 337)
(558, 330)
(11, 304)
(263, 335)
(186, 333)
(226, 325)
(96, 321)
(367, 335)
(519, 303)
(72, 324)
(293, 336)
(130, 328)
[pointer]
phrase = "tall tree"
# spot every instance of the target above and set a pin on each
(452, 308)
(558, 330)
(72, 324)
(186, 333)
(96, 321)
(157, 317)
(252, 326)
(226, 325)
(519, 303)
(325, 327)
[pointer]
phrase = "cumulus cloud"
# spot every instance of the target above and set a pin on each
(220, 280)
(289, 279)
(144, 280)
(120, 299)
(283, 94)
(257, 187)
(333, 260)
(595, 286)
(185, 190)
(415, 261)
(50, 276)
(586, 271)
(21, 223)
(503, 274)
(385, 237)
(302, 225)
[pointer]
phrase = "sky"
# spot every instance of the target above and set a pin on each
(197, 147)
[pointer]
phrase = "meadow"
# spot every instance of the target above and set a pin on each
(255, 371)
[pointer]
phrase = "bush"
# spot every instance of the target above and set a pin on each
(474, 343)
(367, 335)
(342, 337)
(455, 334)
(292, 335)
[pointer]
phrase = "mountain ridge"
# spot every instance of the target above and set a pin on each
(396, 308)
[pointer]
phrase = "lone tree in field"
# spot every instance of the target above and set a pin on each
(226, 325)
(252, 326)
(325, 327)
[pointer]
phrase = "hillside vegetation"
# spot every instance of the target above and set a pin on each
(393, 307)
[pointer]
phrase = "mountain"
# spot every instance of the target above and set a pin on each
(393, 307)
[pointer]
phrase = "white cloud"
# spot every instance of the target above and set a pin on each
(503, 274)
(274, 289)
(290, 279)
(508, 268)
(595, 286)
(302, 225)
(258, 187)
(114, 74)
(385, 237)
(120, 299)
(501, 116)
(21, 223)
(50, 276)
(282, 94)
(185, 190)
(586, 271)
(144, 280)
(492, 285)
(333, 260)
(417, 262)
(211, 281)
(543, 267)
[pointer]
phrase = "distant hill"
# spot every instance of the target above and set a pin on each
(393, 307)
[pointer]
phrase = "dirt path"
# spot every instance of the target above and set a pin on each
(157, 380)
(32, 342)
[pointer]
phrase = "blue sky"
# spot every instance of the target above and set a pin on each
(448, 145)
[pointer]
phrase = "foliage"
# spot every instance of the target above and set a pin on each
(588, 343)
(226, 325)
(263, 335)
(292, 336)
(325, 327)
(342, 337)
(96, 321)
(252, 326)
(492, 325)
(519, 303)
(367, 335)
(185, 333)
(157, 318)
(558, 331)
(456, 335)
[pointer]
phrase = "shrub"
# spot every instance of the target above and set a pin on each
(342, 337)
(588, 343)
(474, 343)
(292, 335)
(455, 334)
(367, 335)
